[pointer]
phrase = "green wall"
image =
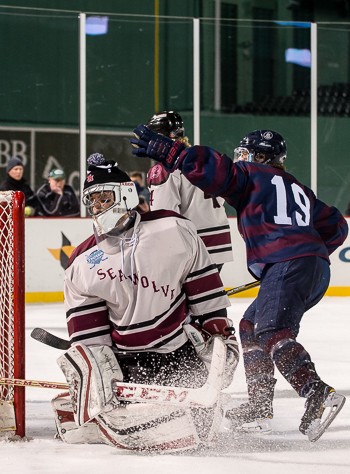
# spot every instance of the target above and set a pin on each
(146, 63)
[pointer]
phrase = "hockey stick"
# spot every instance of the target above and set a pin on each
(205, 396)
(33, 383)
(238, 289)
(49, 339)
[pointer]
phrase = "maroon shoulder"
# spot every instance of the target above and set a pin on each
(160, 214)
(86, 245)
(157, 175)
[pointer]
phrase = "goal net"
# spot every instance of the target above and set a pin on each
(12, 307)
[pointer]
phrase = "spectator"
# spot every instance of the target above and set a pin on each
(14, 181)
(57, 198)
(142, 190)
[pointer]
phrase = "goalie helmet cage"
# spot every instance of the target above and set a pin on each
(12, 304)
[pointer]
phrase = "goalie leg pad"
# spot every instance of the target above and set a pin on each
(7, 419)
(90, 373)
(67, 429)
(148, 427)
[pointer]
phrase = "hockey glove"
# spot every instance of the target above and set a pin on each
(223, 327)
(156, 146)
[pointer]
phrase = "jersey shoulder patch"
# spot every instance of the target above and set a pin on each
(157, 175)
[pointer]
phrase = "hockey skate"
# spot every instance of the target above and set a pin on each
(321, 407)
(248, 418)
(255, 416)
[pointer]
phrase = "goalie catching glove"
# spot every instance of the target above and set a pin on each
(156, 146)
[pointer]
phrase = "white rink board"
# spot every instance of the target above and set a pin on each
(44, 274)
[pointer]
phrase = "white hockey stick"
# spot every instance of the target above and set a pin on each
(205, 396)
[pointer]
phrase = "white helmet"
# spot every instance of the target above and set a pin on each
(109, 194)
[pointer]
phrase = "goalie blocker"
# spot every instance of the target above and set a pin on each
(90, 413)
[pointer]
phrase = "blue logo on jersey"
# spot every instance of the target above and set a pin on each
(95, 258)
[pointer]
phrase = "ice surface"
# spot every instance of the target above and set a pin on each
(325, 333)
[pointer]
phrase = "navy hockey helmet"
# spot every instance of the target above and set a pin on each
(168, 123)
(262, 146)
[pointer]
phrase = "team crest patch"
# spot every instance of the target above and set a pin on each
(268, 135)
(96, 257)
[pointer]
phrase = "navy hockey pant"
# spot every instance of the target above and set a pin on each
(271, 323)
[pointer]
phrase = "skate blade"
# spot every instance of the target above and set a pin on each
(333, 404)
(261, 426)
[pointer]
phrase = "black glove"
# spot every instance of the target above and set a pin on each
(156, 146)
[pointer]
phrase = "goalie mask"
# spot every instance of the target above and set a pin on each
(169, 124)
(109, 195)
(261, 146)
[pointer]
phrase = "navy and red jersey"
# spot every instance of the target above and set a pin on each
(278, 217)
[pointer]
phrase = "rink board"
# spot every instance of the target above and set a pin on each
(50, 241)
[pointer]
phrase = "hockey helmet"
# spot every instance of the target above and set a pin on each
(109, 193)
(262, 146)
(168, 123)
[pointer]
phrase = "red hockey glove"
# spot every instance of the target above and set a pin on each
(222, 327)
(156, 146)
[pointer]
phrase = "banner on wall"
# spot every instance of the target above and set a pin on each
(50, 242)
(44, 149)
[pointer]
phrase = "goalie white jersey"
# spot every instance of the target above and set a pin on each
(137, 295)
(173, 191)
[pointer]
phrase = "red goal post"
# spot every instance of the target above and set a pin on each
(12, 310)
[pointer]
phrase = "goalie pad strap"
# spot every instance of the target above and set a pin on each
(67, 429)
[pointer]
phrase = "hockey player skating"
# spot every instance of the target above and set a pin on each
(289, 235)
(173, 191)
(128, 289)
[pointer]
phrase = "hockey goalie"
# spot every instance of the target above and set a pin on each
(145, 305)
(169, 418)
